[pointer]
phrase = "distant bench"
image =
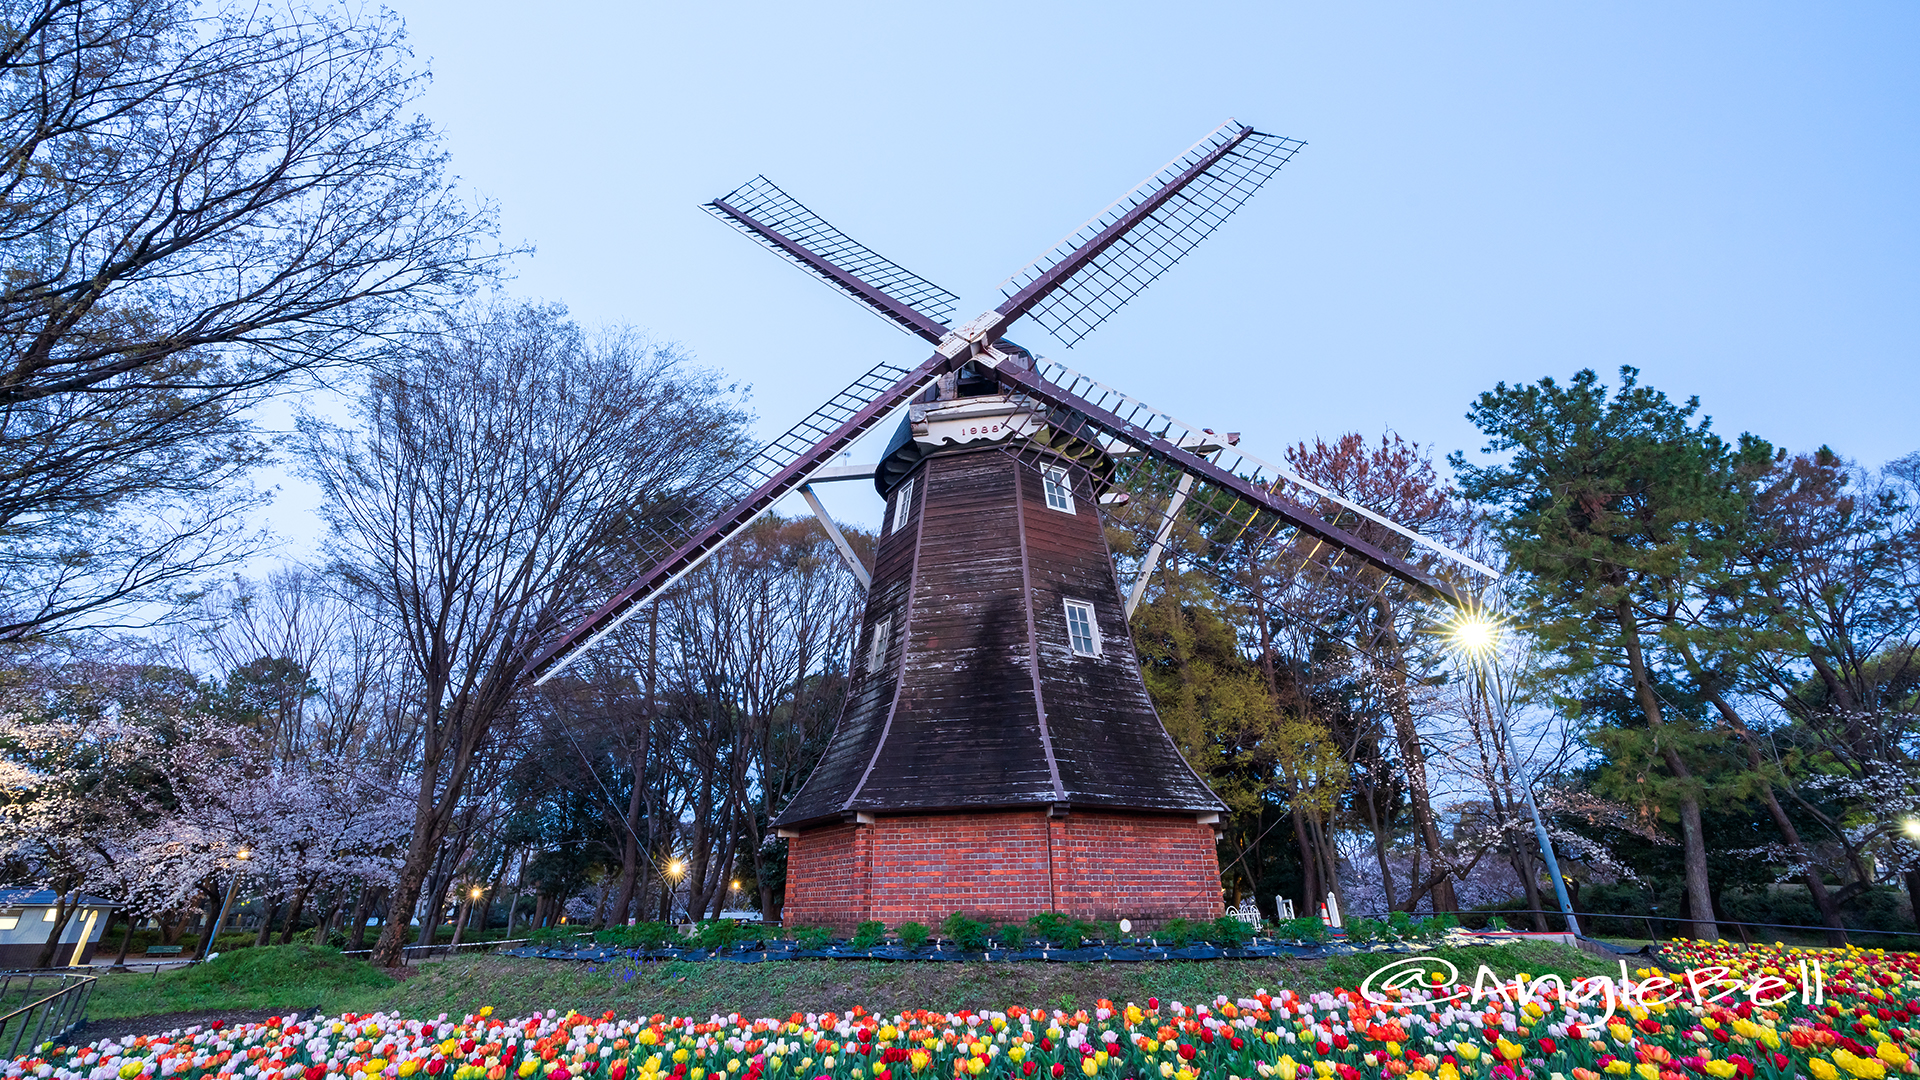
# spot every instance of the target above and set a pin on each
(165, 950)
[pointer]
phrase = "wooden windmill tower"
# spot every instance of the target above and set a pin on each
(998, 753)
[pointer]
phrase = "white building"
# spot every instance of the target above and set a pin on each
(28, 915)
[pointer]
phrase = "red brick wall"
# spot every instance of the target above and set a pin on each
(1003, 866)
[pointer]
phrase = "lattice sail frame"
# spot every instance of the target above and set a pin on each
(1153, 246)
(1130, 445)
(649, 556)
(758, 201)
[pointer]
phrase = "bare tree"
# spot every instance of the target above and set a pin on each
(495, 470)
(194, 204)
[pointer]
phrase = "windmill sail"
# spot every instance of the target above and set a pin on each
(783, 224)
(1257, 494)
(1120, 251)
(667, 552)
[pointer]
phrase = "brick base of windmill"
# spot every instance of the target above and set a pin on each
(1003, 866)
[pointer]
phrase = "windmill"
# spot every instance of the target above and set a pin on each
(998, 753)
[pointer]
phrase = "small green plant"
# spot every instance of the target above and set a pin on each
(812, 937)
(1051, 926)
(1306, 928)
(1401, 923)
(1011, 935)
(722, 933)
(968, 935)
(1366, 930)
(655, 935)
(550, 935)
(1179, 933)
(913, 934)
(1228, 931)
(868, 934)
(1496, 923)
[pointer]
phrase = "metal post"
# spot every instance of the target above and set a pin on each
(1539, 828)
(213, 939)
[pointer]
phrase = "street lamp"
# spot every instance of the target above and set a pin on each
(1478, 635)
(239, 873)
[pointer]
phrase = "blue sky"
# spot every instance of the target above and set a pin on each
(1720, 194)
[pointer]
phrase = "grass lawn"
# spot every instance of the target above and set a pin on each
(304, 979)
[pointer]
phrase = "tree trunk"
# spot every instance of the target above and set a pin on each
(1413, 760)
(293, 914)
(126, 942)
(215, 897)
(363, 906)
(1307, 867)
(1912, 878)
(324, 932)
(268, 908)
(1692, 832)
(1816, 887)
(65, 904)
(460, 921)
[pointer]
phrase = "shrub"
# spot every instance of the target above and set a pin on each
(1178, 933)
(1056, 928)
(968, 935)
(1228, 931)
(1364, 930)
(912, 934)
(868, 934)
(812, 937)
(1011, 935)
(721, 933)
(1401, 923)
(1306, 928)
(549, 935)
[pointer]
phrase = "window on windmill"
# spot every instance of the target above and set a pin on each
(1083, 634)
(877, 647)
(1059, 488)
(8, 922)
(902, 506)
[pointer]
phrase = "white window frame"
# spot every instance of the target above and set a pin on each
(1093, 628)
(902, 506)
(1058, 486)
(877, 644)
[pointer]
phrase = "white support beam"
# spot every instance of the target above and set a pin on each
(843, 472)
(839, 540)
(1159, 542)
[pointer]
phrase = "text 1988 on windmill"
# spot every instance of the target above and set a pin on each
(998, 753)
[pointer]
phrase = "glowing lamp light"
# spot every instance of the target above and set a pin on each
(1912, 826)
(1475, 633)
(474, 893)
(243, 854)
(676, 868)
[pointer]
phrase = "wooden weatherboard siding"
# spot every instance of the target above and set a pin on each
(981, 702)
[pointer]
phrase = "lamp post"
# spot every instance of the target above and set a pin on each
(1478, 636)
(239, 874)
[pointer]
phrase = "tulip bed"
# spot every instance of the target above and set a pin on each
(1867, 1028)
